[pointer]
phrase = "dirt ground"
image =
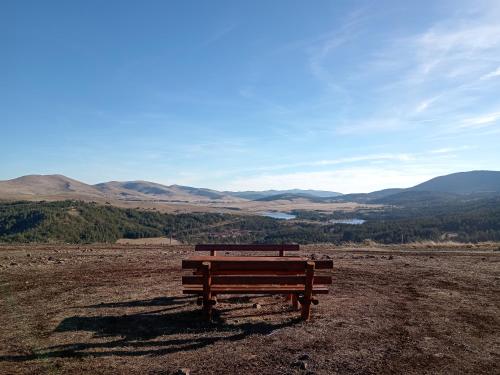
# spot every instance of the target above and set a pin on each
(118, 309)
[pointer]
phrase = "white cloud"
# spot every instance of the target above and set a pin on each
(456, 49)
(424, 104)
(481, 121)
(345, 160)
(492, 74)
(448, 150)
(348, 180)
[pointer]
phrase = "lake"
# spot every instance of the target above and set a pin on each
(277, 215)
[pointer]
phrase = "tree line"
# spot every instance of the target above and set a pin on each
(84, 222)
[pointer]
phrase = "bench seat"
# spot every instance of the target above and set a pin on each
(256, 289)
(291, 276)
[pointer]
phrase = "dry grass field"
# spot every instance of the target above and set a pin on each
(118, 309)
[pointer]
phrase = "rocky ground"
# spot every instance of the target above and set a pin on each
(119, 309)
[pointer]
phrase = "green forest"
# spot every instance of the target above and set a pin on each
(82, 222)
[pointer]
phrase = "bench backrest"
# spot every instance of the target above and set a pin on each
(280, 249)
(257, 272)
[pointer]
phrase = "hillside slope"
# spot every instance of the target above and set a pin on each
(145, 190)
(257, 195)
(45, 186)
(463, 183)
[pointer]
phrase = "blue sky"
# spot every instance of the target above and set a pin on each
(350, 96)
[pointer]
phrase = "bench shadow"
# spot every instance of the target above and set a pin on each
(159, 301)
(179, 327)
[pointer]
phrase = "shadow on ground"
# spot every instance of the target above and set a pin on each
(180, 321)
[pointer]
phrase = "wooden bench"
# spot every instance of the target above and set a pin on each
(251, 248)
(214, 275)
(280, 249)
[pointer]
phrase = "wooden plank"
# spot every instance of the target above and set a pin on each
(264, 289)
(291, 265)
(260, 264)
(195, 261)
(254, 247)
(254, 280)
(253, 273)
(208, 258)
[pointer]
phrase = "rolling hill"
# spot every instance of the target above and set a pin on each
(58, 187)
(39, 187)
(257, 195)
(461, 186)
(463, 183)
(145, 190)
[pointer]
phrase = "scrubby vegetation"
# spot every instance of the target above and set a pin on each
(75, 222)
(80, 222)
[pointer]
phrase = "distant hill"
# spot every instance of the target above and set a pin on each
(41, 187)
(291, 197)
(461, 186)
(411, 197)
(201, 192)
(463, 183)
(367, 197)
(257, 195)
(58, 187)
(145, 190)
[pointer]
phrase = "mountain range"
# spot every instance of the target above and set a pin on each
(57, 187)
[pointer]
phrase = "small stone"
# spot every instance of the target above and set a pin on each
(182, 371)
(390, 257)
(257, 306)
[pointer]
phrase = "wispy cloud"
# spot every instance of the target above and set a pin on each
(345, 160)
(492, 74)
(345, 180)
(219, 34)
(436, 76)
(481, 121)
(448, 150)
(321, 49)
(425, 104)
(451, 44)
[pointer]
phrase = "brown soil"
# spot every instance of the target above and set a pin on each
(119, 309)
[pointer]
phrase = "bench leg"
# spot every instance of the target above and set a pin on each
(207, 310)
(295, 301)
(306, 305)
(207, 295)
(306, 310)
